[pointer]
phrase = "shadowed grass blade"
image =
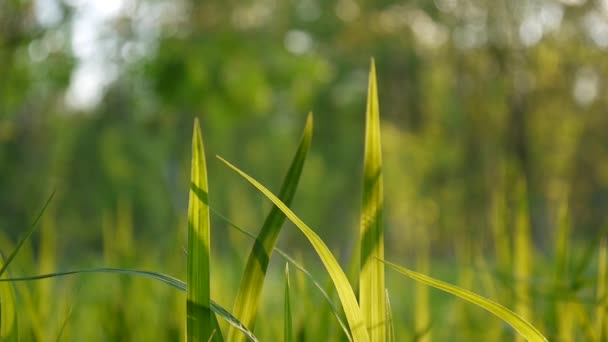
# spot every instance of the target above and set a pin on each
(525, 329)
(248, 297)
(288, 331)
(199, 323)
(8, 311)
(345, 292)
(371, 276)
(173, 282)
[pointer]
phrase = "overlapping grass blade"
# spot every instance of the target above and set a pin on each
(288, 331)
(248, 297)
(199, 323)
(345, 292)
(8, 311)
(523, 327)
(173, 282)
(371, 276)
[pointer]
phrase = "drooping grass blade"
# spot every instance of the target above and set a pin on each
(248, 297)
(345, 292)
(173, 282)
(523, 327)
(371, 276)
(199, 322)
(288, 330)
(8, 311)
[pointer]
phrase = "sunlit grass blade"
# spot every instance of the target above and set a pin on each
(345, 292)
(168, 280)
(8, 311)
(199, 321)
(371, 276)
(390, 328)
(524, 328)
(299, 267)
(522, 256)
(26, 236)
(248, 297)
(288, 331)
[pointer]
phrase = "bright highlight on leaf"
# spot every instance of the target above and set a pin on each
(343, 288)
(525, 329)
(248, 297)
(371, 277)
(288, 330)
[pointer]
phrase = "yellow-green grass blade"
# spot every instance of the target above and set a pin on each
(248, 297)
(345, 292)
(371, 276)
(288, 331)
(199, 322)
(173, 282)
(8, 311)
(522, 257)
(523, 327)
(601, 292)
(390, 328)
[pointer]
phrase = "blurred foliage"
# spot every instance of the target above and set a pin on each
(97, 100)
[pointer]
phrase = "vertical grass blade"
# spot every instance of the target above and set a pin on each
(288, 331)
(371, 278)
(602, 307)
(390, 328)
(8, 311)
(248, 297)
(522, 257)
(345, 292)
(523, 327)
(199, 322)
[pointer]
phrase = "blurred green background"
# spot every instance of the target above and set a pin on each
(97, 101)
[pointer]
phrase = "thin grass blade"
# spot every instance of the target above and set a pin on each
(8, 311)
(248, 297)
(600, 312)
(288, 331)
(390, 328)
(523, 327)
(199, 322)
(345, 292)
(371, 276)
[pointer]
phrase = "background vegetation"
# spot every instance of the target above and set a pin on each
(494, 137)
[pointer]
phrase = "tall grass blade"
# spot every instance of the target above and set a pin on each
(8, 311)
(288, 331)
(345, 292)
(525, 329)
(26, 236)
(173, 282)
(390, 328)
(601, 325)
(199, 322)
(522, 256)
(371, 278)
(248, 297)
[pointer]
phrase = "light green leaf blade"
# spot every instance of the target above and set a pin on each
(525, 329)
(371, 276)
(343, 288)
(199, 322)
(8, 311)
(390, 328)
(248, 297)
(288, 331)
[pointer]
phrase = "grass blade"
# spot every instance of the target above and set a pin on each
(8, 311)
(288, 332)
(248, 297)
(173, 282)
(390, 328)
(602, 307)
(525, 329)
(199, 322)
(345, 292)
(371, 278)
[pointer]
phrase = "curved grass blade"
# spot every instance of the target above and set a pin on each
(248, 297)
(8, 311)
(288, 330)
(27, 235)
(199, 323)
(371, 276)
(525, 329)
(345, 292)
(173, 282)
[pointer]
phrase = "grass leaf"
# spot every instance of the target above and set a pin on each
(525, 329)
(8, 311)
(199, 321)
(345, 292)
(248, 297)
(288, 331)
